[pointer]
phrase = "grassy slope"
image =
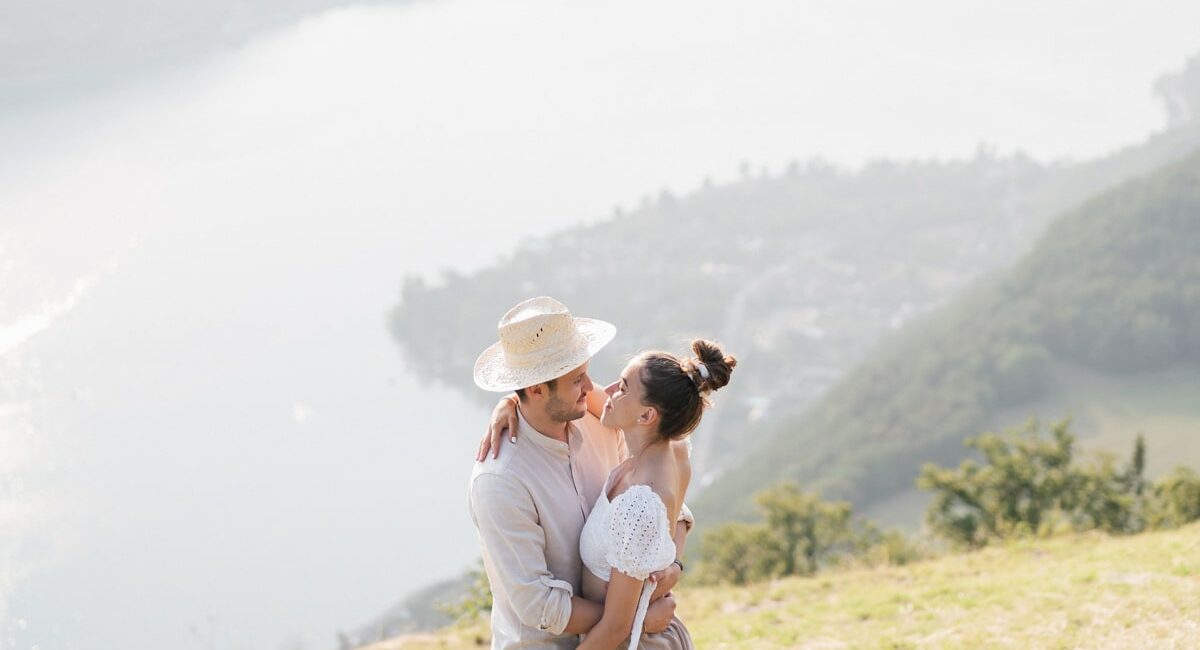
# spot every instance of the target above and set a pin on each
(1107, 411)
(1067, 592)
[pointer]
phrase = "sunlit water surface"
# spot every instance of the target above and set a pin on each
(206, 437)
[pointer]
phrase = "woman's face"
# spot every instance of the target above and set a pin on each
(624, 403)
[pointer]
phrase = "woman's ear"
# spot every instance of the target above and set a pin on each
(649, 416)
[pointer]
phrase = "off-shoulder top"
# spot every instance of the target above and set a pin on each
(632, 534)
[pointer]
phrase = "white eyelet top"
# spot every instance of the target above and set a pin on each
(631, 534)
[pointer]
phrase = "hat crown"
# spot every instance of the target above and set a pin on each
(535, 326)
(539, 341)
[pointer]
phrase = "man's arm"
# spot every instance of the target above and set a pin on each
(514, 555)
(584, 616)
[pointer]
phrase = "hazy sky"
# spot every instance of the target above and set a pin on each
(196, 264)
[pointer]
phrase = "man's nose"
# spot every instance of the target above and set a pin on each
(587, 384)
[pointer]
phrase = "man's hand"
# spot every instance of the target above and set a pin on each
(504, 418)
(659, 614)
(665, 581)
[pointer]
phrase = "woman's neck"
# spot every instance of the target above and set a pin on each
(638, 440)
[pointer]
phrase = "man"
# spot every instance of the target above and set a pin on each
(530, 501)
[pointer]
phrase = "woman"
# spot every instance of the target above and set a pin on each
(657, 401)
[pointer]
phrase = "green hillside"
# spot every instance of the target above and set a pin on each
(1112, 289)
(1082, 591)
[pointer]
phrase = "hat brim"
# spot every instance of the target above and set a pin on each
(492, 372)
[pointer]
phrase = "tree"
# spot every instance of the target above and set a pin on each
(1020, 485)
(806, 527)
(1028, 483)
(740, 553)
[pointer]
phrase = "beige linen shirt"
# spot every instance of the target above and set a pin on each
(529, 506)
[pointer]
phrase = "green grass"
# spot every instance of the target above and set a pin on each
(1076, 591)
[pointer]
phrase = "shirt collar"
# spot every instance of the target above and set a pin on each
(526, 431)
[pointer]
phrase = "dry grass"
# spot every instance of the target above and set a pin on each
(1080, 591)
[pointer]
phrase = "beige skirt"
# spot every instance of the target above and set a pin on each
(675, 637)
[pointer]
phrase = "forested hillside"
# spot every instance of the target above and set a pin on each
(800, 272)
(1113, 287)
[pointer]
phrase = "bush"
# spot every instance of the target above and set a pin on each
(1176, 499)
(739, 553)
(876, 547)
(800, 534)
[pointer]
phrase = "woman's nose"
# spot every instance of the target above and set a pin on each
(610, 389)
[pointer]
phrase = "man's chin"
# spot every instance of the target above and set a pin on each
(569, 416)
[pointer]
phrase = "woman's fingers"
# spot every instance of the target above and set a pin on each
(504, 418)
(495, 440)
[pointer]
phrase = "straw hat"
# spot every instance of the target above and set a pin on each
(539, 340)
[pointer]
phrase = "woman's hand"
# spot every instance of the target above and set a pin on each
(664, 581)
(504, 418)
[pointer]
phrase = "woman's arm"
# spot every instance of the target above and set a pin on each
(595, 401)
(620, 606)
(504, 418)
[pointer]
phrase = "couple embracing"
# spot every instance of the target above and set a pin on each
(580, 508)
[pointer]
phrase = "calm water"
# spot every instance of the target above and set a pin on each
(206, 437)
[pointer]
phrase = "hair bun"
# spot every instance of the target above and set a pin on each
(719, 365)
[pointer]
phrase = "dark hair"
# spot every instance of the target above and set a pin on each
(676, 388)
(549, 384)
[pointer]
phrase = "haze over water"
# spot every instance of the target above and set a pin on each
(207, 438)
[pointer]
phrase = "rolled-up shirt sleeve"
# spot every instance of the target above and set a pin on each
(686, 516)
(514, 553)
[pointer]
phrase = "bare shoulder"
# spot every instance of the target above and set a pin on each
(669, 477)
